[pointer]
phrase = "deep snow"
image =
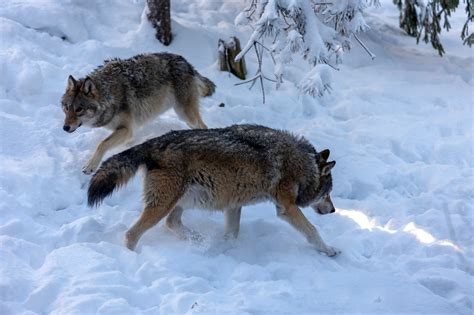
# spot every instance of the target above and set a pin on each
(400, 128)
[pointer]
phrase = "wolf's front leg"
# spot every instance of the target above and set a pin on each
(232, 222)
(293, 215)
(119, 136)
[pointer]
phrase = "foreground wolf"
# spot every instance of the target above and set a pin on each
(222, 169)
(122, 94)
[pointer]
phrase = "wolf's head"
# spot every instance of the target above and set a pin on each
(323, 203)
(80, 103)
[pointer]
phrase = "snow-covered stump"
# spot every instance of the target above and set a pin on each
(227, 53)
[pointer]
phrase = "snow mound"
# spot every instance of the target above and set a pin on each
(399, 127)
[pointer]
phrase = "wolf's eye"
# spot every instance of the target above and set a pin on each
(79, 110)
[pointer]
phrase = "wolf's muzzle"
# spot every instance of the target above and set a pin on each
(70, 129)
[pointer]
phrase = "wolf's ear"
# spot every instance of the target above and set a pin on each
(71, 83)
(89, 87)
(326, 168)
(324, 154)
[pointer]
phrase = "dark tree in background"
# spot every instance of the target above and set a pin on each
(426, 19)
(160, 18)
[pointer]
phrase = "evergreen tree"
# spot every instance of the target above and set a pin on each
(319, 30)
(425, 19)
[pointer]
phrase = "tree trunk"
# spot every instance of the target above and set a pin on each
(160, 18)
(227, 53)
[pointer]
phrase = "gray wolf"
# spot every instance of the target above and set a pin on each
(123, 94)
(222, 169)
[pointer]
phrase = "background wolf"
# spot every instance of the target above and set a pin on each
(122, 94)
(222, 169)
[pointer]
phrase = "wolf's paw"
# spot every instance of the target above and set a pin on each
(330, 251)
(130, 241)
(186, 233)
(90, 167)
(194, 236)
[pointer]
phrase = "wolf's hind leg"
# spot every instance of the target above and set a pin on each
(193, 119)
(163, 189)
(187, 108)
(119, 136)
(174, 223)
(289, 212)
(232, 222)
(200, 123)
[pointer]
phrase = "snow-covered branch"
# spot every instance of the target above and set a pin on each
(320, 31)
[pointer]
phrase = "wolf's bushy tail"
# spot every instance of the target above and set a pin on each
(206, 86)
(114, 173)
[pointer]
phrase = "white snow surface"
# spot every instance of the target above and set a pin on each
(400, 128)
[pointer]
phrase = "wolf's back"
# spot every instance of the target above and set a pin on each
(114, 173)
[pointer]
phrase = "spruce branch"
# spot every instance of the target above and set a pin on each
(317, 30)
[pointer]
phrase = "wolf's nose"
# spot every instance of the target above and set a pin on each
(66, 128)
(333, 210)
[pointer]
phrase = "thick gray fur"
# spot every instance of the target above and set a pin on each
(223, 169)
(125, 93)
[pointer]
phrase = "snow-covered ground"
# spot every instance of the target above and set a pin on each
(400, 128)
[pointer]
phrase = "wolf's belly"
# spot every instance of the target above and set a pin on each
(200, 197)
(196, 197)
(145, 109)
